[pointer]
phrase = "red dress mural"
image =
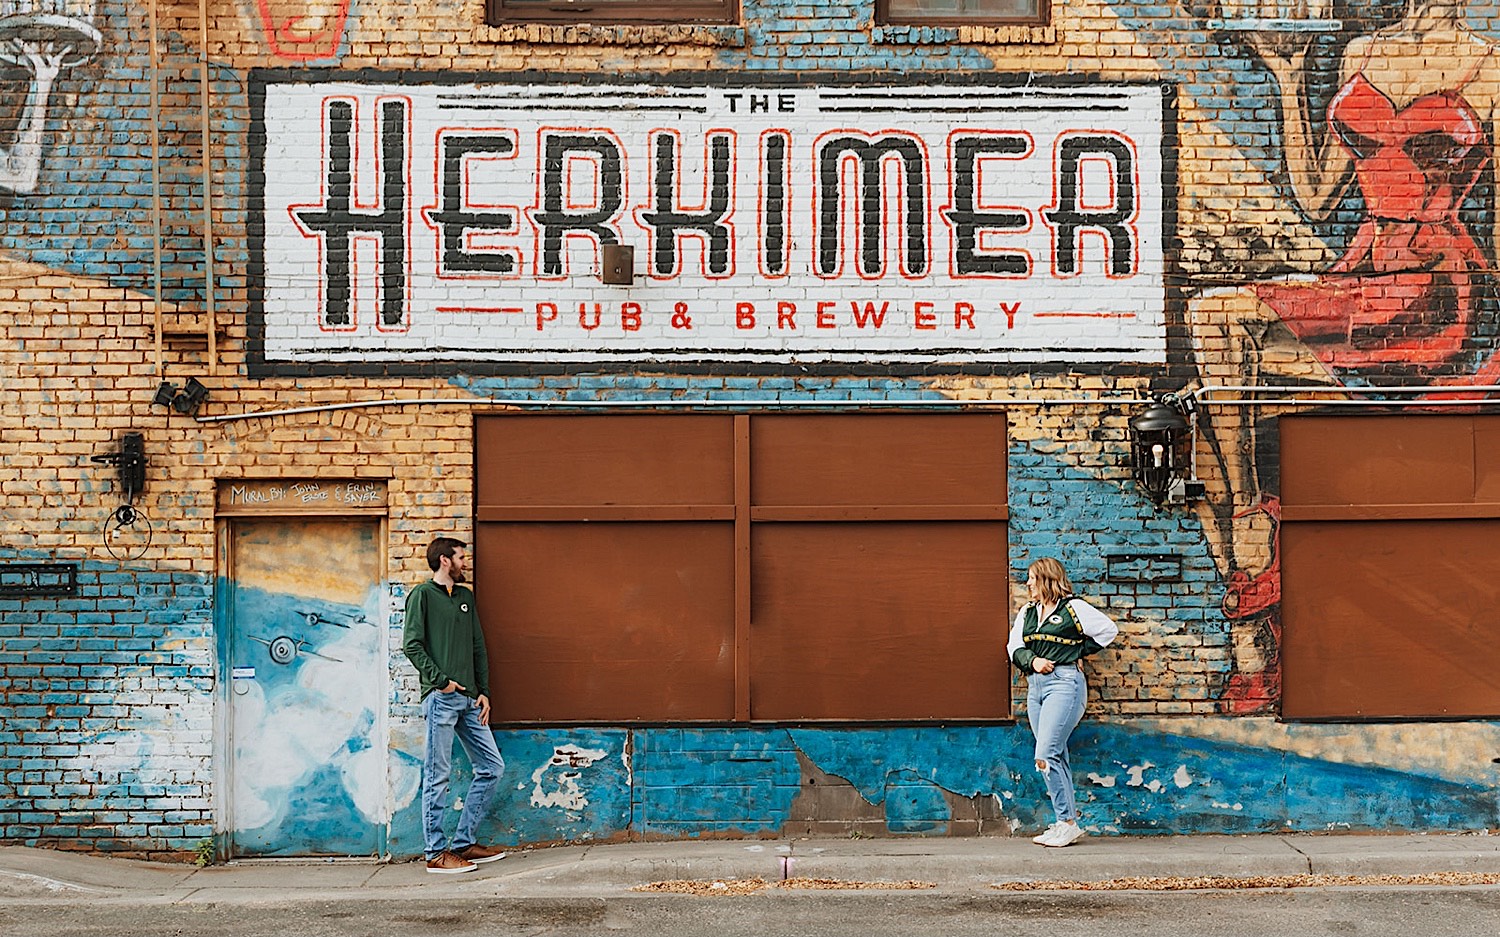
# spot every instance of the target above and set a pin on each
(1405, 293)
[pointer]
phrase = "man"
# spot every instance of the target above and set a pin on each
(443, 641)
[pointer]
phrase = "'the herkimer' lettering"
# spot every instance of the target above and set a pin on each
(555, 221)
(667, 222)
(1071, 218)
(871, 154)
(337, 223)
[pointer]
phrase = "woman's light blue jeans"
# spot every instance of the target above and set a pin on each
(449, 715)
(1054, 704)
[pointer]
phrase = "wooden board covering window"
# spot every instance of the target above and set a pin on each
(1390, 548)
(585, 12)
(717, 568)
(963, 12)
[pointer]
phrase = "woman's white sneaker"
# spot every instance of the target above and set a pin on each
(1064, 834)
(1041, 840)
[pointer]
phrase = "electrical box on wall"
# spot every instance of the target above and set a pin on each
(1185, 490)
(619, 265)
(131, 461)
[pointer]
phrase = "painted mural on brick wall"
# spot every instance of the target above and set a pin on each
(771, 223)
(75, 115)
(303, 30)
(1379, 269)
(43, 38)
(1297, 266)
(1140, 778)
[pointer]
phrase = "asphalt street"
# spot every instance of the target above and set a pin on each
(586, 891)
(1337, 912)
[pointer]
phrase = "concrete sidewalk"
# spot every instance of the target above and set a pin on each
(954, 865)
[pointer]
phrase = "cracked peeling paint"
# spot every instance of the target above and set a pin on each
(563, 770)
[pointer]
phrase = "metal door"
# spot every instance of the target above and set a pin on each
(304, 652)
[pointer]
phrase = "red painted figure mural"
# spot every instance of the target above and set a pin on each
(303, 29)
(1407, 129)
(1405, 143)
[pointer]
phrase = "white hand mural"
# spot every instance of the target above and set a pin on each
(44, 38)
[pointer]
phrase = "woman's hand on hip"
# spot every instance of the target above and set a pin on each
(1041, 665)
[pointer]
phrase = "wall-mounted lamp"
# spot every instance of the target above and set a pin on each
(185, 399)
(1161, 450)
(618, 265)
(130, 459)
(127, 531)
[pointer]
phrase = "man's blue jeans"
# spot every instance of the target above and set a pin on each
(450, 714)
(1054, 704)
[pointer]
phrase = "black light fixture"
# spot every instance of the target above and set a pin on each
(130, 459)
(127, 531)
(185, 399)
(1161, 442)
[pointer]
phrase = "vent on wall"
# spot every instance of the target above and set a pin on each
(38, 579)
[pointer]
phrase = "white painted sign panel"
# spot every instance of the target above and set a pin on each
(965, 225)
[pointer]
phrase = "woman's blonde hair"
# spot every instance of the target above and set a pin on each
(1051, 579)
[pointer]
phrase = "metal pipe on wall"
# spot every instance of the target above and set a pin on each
(1204, 396)
(701, 403)
(1205, 392)
(208, 190)
(154, 119)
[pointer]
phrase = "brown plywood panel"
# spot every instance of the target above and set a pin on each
(604, 460)
(886, 458)
(608, 622)
(1487, 459)
(879, 621)
(1391, 619)
(1402, 459)
(1388, 512)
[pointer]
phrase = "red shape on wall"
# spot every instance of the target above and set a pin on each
(303, 29)
(1404, 293)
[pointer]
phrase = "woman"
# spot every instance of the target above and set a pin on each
(1052, 633)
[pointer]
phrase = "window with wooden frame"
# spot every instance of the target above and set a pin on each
(962, 12)
(637, 12)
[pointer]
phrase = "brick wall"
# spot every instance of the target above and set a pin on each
(109, 737)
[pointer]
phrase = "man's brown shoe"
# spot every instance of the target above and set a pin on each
(477, 853)
(448, 863)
